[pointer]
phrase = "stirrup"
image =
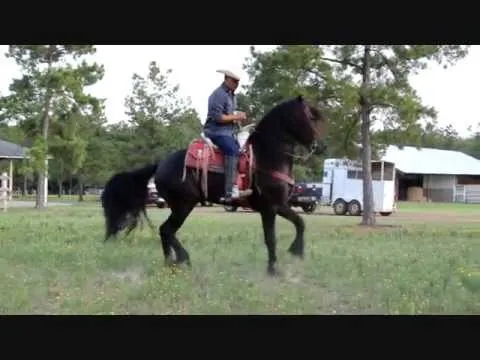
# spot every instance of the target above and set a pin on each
(241, 194)
(244, 193)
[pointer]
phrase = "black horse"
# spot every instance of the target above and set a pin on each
(273, 140)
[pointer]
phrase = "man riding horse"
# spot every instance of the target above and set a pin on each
(222, 118)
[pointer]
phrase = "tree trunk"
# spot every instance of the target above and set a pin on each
(41, 191)
(60, 187)
(80, 189)
(368, 216)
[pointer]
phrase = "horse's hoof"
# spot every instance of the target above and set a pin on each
(272, 271)
(184, 264)
(169, 261)
(297, 253)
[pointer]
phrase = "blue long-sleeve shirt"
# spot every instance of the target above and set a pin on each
(222, 101)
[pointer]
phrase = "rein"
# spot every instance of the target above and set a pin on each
(302, 157)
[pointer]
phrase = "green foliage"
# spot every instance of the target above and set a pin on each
(13, 134)
(285, 72)
(391, 101)
(37, 155)
(160, 119)
(50, 100)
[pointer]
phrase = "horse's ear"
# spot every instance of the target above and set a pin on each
(300, 98)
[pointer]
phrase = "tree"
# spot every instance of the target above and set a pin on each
(430, 135)
(359, 85)
(72, 136)
(288, 71)
(160, 119)
(105, 155)
(49, 82)
(379, 74)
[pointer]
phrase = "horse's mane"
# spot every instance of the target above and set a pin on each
(269, 137)
(272, 122)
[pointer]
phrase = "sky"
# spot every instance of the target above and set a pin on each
(453, 91)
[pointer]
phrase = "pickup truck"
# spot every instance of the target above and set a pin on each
(306, 195)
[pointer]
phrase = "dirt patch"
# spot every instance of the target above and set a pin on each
(133, 275)
(444, 217)
(363, 229)
(367, 229)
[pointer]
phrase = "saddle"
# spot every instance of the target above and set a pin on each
(204, 156)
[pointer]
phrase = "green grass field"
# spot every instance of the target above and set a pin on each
(56, 198)
(422, 260)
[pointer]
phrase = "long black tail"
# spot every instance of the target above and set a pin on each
(124, 199)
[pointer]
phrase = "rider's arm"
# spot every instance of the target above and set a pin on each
(216, 105)
(229, 118)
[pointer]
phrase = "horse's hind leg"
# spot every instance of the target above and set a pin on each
(179, 212)
(298, 244)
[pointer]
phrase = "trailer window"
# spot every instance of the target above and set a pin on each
(376, 171)
(355, 174)
(388, 171)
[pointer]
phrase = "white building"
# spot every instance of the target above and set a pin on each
(10, 152)
(444, 175)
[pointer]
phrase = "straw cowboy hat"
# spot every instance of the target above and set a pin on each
(229, 74)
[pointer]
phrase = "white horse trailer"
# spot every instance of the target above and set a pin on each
(342, 186)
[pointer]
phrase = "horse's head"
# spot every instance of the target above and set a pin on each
(292, 121)
(307, 125)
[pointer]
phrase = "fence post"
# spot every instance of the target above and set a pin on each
(4, 191)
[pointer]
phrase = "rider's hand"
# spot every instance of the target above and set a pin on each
(241, 116)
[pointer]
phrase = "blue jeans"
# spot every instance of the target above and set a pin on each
(227, 144)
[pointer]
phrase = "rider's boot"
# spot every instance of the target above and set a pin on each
(231, 188)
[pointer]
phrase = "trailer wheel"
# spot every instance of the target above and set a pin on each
(385, 213)
(340, 207)
(354, 208)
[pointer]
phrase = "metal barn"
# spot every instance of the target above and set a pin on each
(441, 175)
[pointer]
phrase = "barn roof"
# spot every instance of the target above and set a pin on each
(10, 150)
(411, 160)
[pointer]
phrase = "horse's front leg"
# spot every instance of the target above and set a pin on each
(268, 223)
(298, 244)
